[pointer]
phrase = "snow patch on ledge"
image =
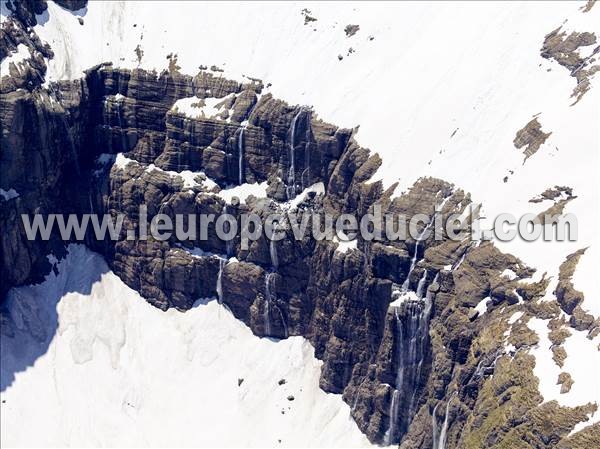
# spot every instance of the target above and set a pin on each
(243, 191)
(194, 107)
(188, 177)
(122, 161)
(318, 188)
(402, 297)
(481, 307)
(509, 274)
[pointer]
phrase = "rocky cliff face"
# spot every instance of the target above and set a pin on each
(429, 371)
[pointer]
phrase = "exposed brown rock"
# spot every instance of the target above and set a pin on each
(588, 6)
(559, 355)
(307, 16)
(564, 49)
(553, 193)
(351, 30)
(565, 292)
(565, 381)
(530, 137)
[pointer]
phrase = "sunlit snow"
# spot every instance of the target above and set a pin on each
(119, 372)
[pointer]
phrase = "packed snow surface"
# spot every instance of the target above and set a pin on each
(114, 371)
(481, 306)
(582, 363)
(243, 191)
(197, 108)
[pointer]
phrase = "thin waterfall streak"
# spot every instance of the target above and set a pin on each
(228, 242)
(273, 254)
(267, 307)
(413, 261)
(106, 122)
(421, 284)
(267, 318)
(222, 263)
(123, 135)
(356, 395)
(462, 258)
(444, 431)
(306, 171)
(389, 437)
(434, 427)
(241, 155)
(412, 333)
(283, 322)
(291, 178)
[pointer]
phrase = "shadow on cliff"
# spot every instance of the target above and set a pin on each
(29, 317)
(44, 16)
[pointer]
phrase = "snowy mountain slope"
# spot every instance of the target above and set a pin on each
(119, 372)
(438, 89)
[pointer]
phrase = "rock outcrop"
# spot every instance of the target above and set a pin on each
(565, 49)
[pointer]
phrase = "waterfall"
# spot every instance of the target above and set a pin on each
(241, 155)
(291, 177)
(119, 120)
(423, 335)
(124, 147)
(413, 261)
(462, 258)
(306, 171)
(443, 432)
(229, 242)
(268, 299)
(273, 254)
(222, 263)
(268, 280)
(283, 322)
(356, 395)
(412, 337)
(390, 436)
(434, 443)
(394, 408)
(439, 439)
(421, 284)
